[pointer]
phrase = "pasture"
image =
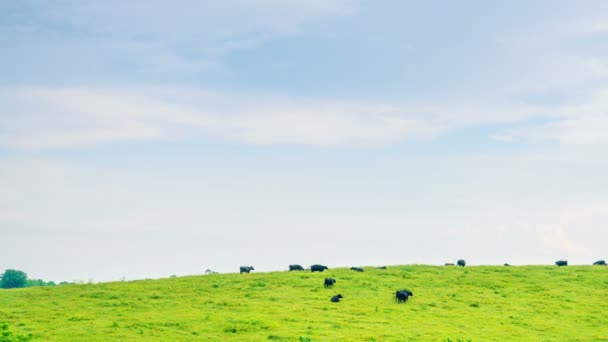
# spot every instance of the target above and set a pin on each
(482, 303)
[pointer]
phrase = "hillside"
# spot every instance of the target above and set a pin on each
(484, 303)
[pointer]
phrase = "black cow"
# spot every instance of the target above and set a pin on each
(336, 298)
(402, 296)
(247, 269)
(357, 269)
(296, 268)
(461, 263)
(329, 282)
(561, 262)
(600, 263)
(318, 268)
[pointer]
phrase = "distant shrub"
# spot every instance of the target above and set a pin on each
(230, 330)
(6, 335)
(449, 339)
(39, 282)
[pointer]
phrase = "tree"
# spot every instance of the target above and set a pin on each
(13, 279)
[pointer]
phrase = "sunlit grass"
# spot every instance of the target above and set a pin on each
(532, 303)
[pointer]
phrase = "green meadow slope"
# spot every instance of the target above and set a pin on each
(531, 303)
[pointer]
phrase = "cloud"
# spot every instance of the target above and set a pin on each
(571, 124)
(160, 20)
(39, 118)
(42, 117)
(151, 37)
(502, 137)
(584, 130)
(601, 27)
(143, 40)
(557, 55)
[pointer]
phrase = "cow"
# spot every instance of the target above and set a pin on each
(402, 296)
(296, 268)
(449, 264)
(561, 263)
(336, 298)
(461, 263)
(247, 269)
(318, 268)
(600, 263)
(329, 282)
(357, 269)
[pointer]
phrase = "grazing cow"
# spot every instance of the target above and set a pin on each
(357, 269)
(318, 268)
(247, 269)
(381, 267)
(600, 263)
(296, 268)
(449, 264)
(336, 298)
(329, 282)
(461, 263)
(561, 263)
(402, 296)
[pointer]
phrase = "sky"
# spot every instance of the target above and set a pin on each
(142, 139)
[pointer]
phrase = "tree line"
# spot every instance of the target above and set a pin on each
(12, 279)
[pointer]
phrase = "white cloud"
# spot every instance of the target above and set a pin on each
(502, 137)
(542, 59)
(183, 36)
(601, 27)
(561, 56)
(584, 130)
(581, 123)
(203, 20)
(50, 118)
(39, 118)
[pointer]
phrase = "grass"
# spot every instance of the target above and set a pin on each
(484, 303)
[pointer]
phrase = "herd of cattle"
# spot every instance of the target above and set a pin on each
(565, 263)
(461, 263)
(401, 296)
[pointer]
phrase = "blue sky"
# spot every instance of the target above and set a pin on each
(148, 138)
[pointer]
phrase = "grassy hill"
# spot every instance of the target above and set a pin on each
(532, 303)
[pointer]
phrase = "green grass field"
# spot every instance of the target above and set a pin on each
(484, 303)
